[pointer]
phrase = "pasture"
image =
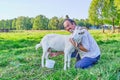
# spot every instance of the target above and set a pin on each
(20, 61)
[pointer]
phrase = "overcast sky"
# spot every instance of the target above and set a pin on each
(10, 9)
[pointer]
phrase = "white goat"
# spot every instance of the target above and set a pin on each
(59, 43)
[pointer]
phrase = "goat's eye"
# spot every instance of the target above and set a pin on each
(79, 33)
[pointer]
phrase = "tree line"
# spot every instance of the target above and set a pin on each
(40, 22)
(100, 12)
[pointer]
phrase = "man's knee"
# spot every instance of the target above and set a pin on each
(84, 63)
(80, 65)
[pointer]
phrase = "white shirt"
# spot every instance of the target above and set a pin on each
(90, 44)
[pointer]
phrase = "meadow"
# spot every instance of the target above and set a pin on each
(20, 61)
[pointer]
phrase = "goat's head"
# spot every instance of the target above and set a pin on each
(77, 35)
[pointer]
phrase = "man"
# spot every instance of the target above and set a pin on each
(88, 47)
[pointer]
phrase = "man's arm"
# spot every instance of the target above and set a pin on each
(80, 46)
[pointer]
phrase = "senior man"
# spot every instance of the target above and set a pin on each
(90, 52)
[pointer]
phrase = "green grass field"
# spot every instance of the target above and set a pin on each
(20, 61)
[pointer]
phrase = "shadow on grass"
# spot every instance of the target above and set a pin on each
(100, 42)
(10, 44)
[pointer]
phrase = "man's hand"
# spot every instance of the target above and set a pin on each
(75, 44)
(80, 46)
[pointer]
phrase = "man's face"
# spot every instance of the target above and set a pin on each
(68, 26)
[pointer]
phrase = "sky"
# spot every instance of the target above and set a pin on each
(10, 9)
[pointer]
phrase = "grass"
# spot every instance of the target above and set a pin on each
(20, 61)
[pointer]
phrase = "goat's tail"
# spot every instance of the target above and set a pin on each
(37, 46)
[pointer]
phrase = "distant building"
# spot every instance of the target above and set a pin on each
(106, 26)
(94, 27)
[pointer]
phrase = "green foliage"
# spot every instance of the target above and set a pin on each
(40, 23)
(117, 2)
(20, 61)
(83, 23)
(104, 12)
(53, 23)
(23, 23)
(14, 24)
(60, 24)
(1, 24)
(5, 24)
(93, 15)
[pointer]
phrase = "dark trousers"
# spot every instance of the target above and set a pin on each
(85, 62)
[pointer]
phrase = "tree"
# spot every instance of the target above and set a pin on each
(110, 13)
(28, 23)
(40, 22)
(2, 24)
(103, 12)
(20, 24)
(53, 23)
(83, 23)
(32, 21)
(93, 14)
(14, 24)
(60, 24)
(117, 5)
(87, 24)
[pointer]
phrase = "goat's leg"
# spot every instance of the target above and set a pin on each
(46, 56)
(65, 60)
(43, 57)
(47, 53)
(69, 58)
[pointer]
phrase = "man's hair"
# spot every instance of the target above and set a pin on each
(70, 20)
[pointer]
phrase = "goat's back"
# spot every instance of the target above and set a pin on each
(55, 41)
